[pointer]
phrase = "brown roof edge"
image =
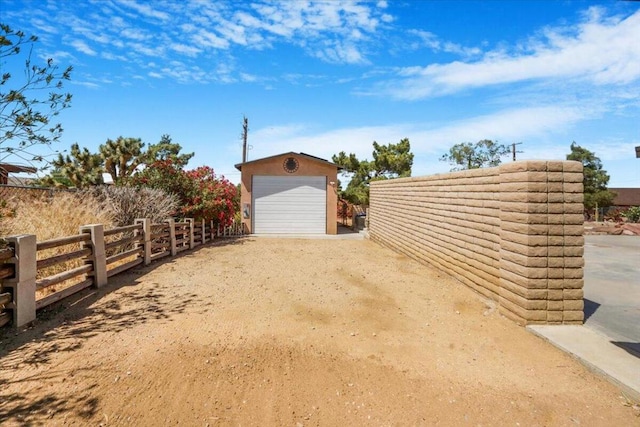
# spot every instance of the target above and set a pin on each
(309, 156)
(11, 168)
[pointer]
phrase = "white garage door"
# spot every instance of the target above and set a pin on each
(289, 204)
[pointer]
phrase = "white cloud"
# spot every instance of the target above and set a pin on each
(82, 47)
(340, 53)
(147, 50)
(250, 78)
(302, 138)
(427, 140)
(506, 126)
(42, 25)
(134, 34)
(90, 85)
(600, 51)
(146, 10)
(185, 49)
(57, 56)
(337, 32)
(206, 38)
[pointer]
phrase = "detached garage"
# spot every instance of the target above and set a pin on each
(291, 193)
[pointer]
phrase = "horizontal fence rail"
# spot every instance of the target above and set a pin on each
(34, 274)
(62, 260)
(7, 270)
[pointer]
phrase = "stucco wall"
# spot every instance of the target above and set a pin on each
(514, 233)
(273, 166)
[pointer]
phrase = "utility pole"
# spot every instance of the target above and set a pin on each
(245, 131)
(513, 149)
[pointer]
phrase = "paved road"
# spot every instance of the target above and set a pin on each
(612, 288)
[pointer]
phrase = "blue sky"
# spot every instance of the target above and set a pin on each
(322, 77)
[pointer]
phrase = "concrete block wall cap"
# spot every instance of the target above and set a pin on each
(572, 166)
(524, 165)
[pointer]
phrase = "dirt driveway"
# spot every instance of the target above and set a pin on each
(292, 333)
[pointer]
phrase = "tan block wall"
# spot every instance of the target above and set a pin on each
(274, 167)
(514, 233)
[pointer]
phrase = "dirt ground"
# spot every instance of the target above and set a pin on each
(289, 332)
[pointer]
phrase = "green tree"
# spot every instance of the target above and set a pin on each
(28, 105)
(595, 179)
(55, 178)
(120, 159)
(389, 161)
(81, 168)
(166, 150)
(484, 153)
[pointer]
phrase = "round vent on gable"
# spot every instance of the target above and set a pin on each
(291, 164)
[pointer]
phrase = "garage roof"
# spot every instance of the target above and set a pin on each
(308, 156)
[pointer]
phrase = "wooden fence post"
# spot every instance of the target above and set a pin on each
(23, 284)
(192, 243)
(146, 237)
(98, 254)
(172, 236)
(204, 232)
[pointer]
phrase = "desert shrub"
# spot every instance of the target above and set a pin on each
(125, 204)
(632, 214)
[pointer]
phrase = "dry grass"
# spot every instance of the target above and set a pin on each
(62, 215)
(50, 218)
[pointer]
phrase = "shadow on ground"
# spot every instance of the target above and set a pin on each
(590, 307)
(66, 325)
(633, 348)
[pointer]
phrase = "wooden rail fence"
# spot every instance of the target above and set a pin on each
(34, 274)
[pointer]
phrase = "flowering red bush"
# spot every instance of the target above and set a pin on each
(201, 193)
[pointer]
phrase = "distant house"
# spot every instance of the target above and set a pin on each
(626, 197)
(7, 168)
